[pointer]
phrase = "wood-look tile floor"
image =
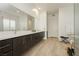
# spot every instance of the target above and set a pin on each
(50, 47)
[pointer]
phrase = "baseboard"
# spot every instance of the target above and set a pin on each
(53, 37)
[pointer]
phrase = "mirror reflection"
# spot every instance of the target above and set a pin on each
(13, 19)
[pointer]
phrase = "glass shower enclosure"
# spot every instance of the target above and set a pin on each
(76, 18)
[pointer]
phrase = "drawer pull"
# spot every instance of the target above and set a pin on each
(5, 46)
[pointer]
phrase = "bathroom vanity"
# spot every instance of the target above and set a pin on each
(19, 43)
(17, 31)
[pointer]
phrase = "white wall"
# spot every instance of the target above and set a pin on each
(66, 20)
(53, 24)
(41, 22)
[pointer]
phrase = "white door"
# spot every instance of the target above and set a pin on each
(53, 25)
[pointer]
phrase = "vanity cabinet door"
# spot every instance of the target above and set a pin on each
(34, 39)
(27, 41)
(6, 47)
(37, 37)
(18, 45)
(41, 34)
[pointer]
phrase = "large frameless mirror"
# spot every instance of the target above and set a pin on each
(13, 19)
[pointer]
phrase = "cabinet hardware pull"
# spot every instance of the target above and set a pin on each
(5, 46)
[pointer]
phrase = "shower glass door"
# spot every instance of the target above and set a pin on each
(76, 17)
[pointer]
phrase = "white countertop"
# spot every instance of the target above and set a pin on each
(11, 34)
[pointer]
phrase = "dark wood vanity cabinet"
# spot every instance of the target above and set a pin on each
(16, 46)
(6, 47)
(21, 44)
(37, 37)
(27, 40)
(34, 40)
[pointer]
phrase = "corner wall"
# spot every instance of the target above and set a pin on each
(66, 21)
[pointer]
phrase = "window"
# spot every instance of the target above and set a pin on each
(5, 24)
(8, 24)
(12, 25)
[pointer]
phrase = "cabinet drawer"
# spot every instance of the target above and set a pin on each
(5, 48)
(5, 42)
(36, 35)
(7, 54)
(42, 34)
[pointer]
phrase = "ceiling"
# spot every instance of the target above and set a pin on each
(49, 7)
(7, 8)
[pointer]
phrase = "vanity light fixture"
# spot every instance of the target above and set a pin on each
(39, 8)
(35, 10)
